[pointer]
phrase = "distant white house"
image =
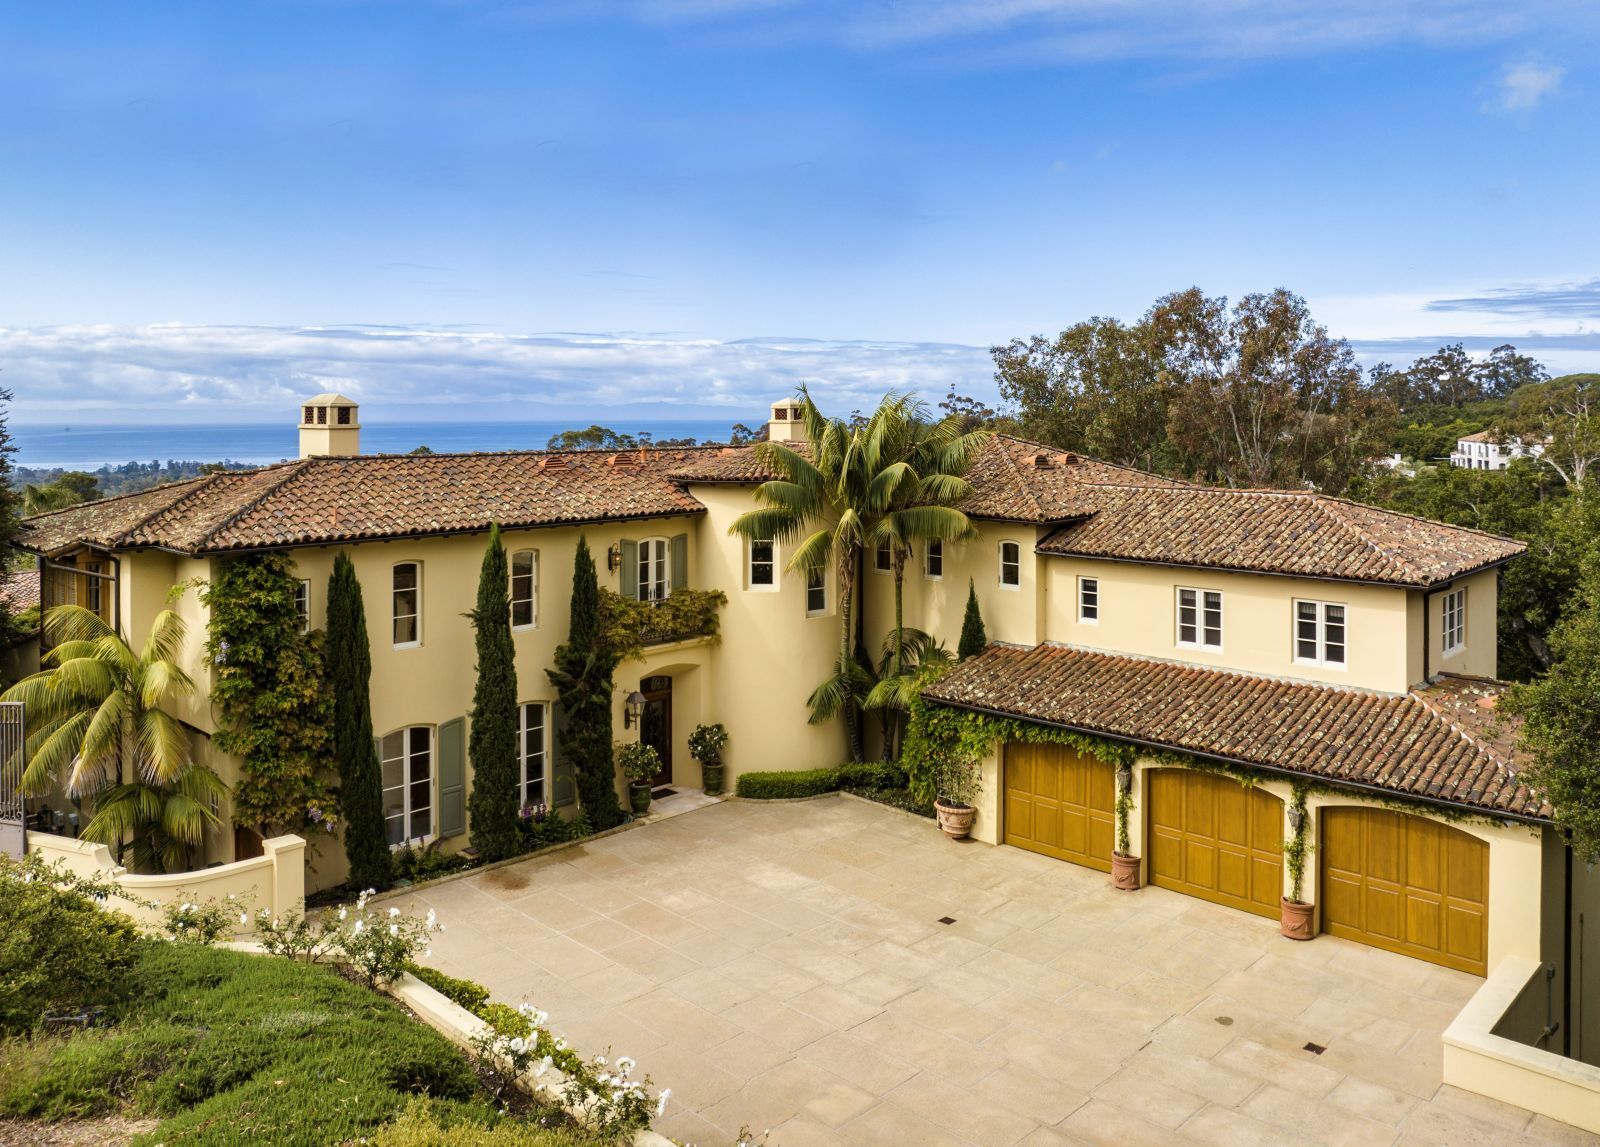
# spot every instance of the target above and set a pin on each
(1481, 451)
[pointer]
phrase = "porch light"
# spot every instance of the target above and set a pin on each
(613, 557)
(632, 709)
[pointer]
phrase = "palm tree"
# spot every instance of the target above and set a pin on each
(934, 457)
(98, 728)
(827, 499)
(920, 658)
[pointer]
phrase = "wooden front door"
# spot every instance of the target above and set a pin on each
(1059, 803)
(1213, 838)
(655, 726)
(1406, 884)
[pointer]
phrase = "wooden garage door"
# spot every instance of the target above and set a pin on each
(1059, 803)
(1407, 884)
(1213, 838)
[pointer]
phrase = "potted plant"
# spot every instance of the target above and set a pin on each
(640, 763)
(1296, 922)
(705, 746)
(957, 784)
(1124, 865)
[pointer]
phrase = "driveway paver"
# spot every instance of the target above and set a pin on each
(784, 967)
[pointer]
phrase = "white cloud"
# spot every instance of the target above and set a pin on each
(1525, 84)
(254, 374)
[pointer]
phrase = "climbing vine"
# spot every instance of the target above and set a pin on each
(270, 693)
(1298, 846)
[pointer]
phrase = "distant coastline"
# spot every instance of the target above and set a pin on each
(89, 447)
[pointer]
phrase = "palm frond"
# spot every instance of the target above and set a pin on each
(53, 754)
(163, 746)
(64, 623)
(165, 642)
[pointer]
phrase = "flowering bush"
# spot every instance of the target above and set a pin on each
(378, 944)
(203, 922)
(292, 936)
(639, 762)
(604, 1096)
(706, 743)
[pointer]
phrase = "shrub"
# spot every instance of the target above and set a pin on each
(58, 947)
(707, 742)
(428, 1123)
(466, 993)
(814, 782)
(424, 862)
(292, 936)
(205, 923)
(377, 945)
(541, 827)
(639, 762)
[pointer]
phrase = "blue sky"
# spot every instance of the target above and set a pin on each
(218, 207)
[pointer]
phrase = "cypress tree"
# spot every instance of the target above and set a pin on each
(492, 747)
(349, 660)
(583, 682)
(973, 638)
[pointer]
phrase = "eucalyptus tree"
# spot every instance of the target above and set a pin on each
(100, 727)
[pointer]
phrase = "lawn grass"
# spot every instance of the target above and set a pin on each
(226, 1047)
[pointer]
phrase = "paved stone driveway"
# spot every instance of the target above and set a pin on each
(782, 967)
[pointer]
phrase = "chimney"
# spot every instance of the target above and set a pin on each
(788, 421)
(329, 427)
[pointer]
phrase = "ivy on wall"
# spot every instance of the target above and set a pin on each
(270, 692)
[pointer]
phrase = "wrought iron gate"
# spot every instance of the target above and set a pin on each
(13, 825)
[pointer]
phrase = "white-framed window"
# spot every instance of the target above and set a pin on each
(1454, 615)
(1319, 633)
(302, 603)
(1010, 565)
(532, 753)
(406, 756)
(763, 573)
(933, 560)
(407, 604)
(883, 558)
(655, 569)
(1200, 618)
(1089, 600)
(816, 592)
(93, 588)
(524, 589)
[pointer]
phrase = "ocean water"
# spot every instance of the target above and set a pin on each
(90, 447)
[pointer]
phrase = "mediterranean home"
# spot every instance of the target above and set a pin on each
(1483, 451)
(1293, 641)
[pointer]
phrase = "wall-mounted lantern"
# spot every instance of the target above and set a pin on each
(613, 557)
(1296, 818)
(1125, 777)
(632, 709)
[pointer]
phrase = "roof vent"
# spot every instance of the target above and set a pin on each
(624, 460)
(1043, 462)
(554, 462)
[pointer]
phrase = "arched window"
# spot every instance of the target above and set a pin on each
(1010, 565)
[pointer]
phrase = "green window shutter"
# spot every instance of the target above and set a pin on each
(563, 787)
(452, 778)
(630, 568)
(680, 561)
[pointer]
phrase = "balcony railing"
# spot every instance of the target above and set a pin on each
(683, 615)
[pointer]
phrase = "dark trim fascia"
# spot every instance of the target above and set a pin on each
(1430, 587)
(1274, 770)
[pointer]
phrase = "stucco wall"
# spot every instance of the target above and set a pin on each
(1480, 657)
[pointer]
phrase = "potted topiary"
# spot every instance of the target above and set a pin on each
(957, 783)
(1296, 922)
(705, 746)
(640, 763)
(1124, 865)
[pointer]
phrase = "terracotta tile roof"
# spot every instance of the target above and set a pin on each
(1436, 743)
(1274, 531)
(20, 590)
(1013, 479)
(327, 500)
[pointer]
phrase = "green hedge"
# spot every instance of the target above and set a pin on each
(815, 782)
(467, 993)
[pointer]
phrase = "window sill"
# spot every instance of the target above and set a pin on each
(415, 842)
(1011, 588)
(1197, 645)
(1088, 621)
(407, 645)
(1308, 663)
(530, 627)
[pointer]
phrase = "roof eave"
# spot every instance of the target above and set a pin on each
(1276, 770)
(1436, 584)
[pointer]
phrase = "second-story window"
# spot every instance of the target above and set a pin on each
(1454, 630)
(93, 589)
(1089, 600)
(763, 564)
(524, 589)
(816, 592)
(933, 560)
(1319, 632)
(407, 604)
(1200, 618)
(655, 572)
(1010, 565)
(302, 603)
(882, 558)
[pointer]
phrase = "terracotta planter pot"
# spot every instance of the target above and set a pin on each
(1296, 922)
(955, 820)
(711, 777)
(1124, 872)
(639, 797)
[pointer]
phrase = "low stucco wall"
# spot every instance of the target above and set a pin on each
(275, 879)
(1475, 1059)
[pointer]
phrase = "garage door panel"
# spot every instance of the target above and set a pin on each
(1213, 838)
(1058, 803)
(1407, 884)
